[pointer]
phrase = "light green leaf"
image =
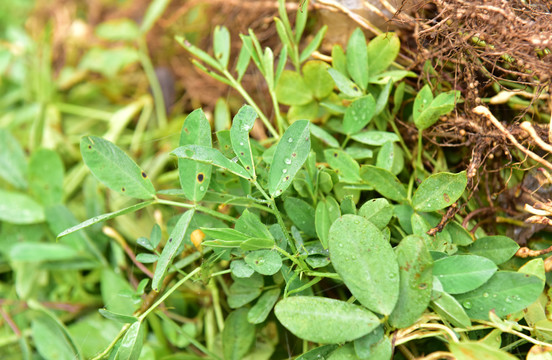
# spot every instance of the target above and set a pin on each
(169, 251)
(390, 157)
(290, 155)
(238, 335)
(345, 85)
(13, 165)
(327, 211)
(207, 155)
(339, 60)
(132, 342)
(240, 269)
(301, 214)
(125, 319)
(195, 177)
(197, 52)
(476, 350)
(371, 276)
(19, 208)
(259, 312)
(221, 45)
(117, 30)
(108, 62)
(375, 138)
(51, 341)
(317, 79)
(497, 248)
(115, 169)
(154, 11)
(359, 113)
(36, 252)
(324, 320)
(439, 191)
(427, 110)
(357, 58)
(323, 136)
(265, 262)
(244, 58)
(383, 182)
(505, 293)
(344, 165)
(448, 307)
(462, 273)
(292, 89)
(415, 264)
(46, 176)
(382, 51)
(239, 133)
(314, 44)
(378, 211)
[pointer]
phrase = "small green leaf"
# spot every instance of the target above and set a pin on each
(240, 269)
(383, 182)
(534, 267)
(324, 136)
(238, 335)
(339, 60)
(250, 224)
(371, 276)
(169, 251)
(146, 258)
(344, 165)
(375, 138)
(383, 98)
(357, 58)
(115, 169)
(36, 252)
(345, 85)
(221, 45)
(301, 214)
(200, 54)
(19, 208)
(448, 307)
(244, 58)
(51, 341)
(125, 319)
(290, 155)
(415, 268)
(439, 191)
(476, 350)
(390, 157)
(459, 235)
(324, 320)
(427, 110)
(212, 156)
(314, 44)
(497, 248)
(378, 211)
(195, 177)
(132, 342)
(46, 176)
(239, 133)
(315, 74)
(359, 113)
(117, 30)
(327, 211)
(462, 273)
(259, 312)
(292, 89)
(265, 262)
(154, 11)
(13, 165)
(257, 244)
(382, 51)
(245, 290)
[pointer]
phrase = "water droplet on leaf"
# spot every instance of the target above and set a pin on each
(467, 304)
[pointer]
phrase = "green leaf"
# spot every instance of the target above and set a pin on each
(238, 335)
(290, 155)
(317, 79)
(18, 208)
(103, 217)
(324, 320)
(371, 276)
(239, 133)
(51, 341)
(207, 155)
(534, 267)
(301, 20)
(448, 307)
(427, 110)
(383, 97)
(301, 214)
(259, 312)
(339, 60)
(221, 116)
(378, 211)
(357, 58)
(132, 342)
(345, 85)
(476, 350)
(314, 44)
(13, 165)
(195, 177)
(390, 157)
(497, 248)
(146, 258)
(359, 113)
(382, 51)
(327, 211)
(384, 182)
(221, 45)
(108, 62)
(117, 30)
(439, 191)
(321, 352)
(240, 269)
(125, 319)
(200, 54)
(169, 251)
(459, 235)
(359, 153)
(250, 224)
(46, 176)
(374, 346)
(243, 291)
(155, 10)
(462, 273)
(244, 58)
(415, 269)
(268, 67)
(265, 262)
(115, 169)
(344, 165)
(292, 89)
(505, 293)
(323, 136)
(36, 252)
(375, 138)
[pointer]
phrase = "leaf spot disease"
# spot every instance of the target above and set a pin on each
(446, 197)
(335, 154)
(144, 175)
(90, 146)
(200, 177)
(123, 189)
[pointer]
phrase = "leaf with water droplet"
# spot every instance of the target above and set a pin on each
(297, 150)
(415, 267)
(462, 273)
(439, 191)
(448, 307)
(208, 155)
(378, 211)
(195, 177)
(344, 165)
(359, 114)
(239, 133)
(301, 214)
(383, 182)
(327, 211)
(265, 262)
(373, 275)
(324, 320)
(115, 169)
(497, 248)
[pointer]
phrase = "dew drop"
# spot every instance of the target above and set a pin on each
(508, 300)
(245, 128)
(485, 294)
(290, 140)
(287, 161)
(341, 245)
(467, 304)
(284, 171)
(241, 143)
(353, 257)
(202, 188)
(235, 159)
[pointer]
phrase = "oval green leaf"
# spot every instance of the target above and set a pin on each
(238, 335)
(290, 155)
(375, 138)
(265, 262)
(301, 214)
(131, 344)
(324, 320)
(366, 262)
(208, 155)
(345, 85)
(384, 182)
(359, 114)
(344, 165)
(382, 51)
(19, 208)
(239, 133)
(357, 58)
(317, 78)
(450, 309)
(497, 248)
(115, 169)
(378, 211)
(439, 191)
(259, 312)
(292, 89)
(323, 136)
(462, 273)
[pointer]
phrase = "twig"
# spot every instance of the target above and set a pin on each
(526, 125)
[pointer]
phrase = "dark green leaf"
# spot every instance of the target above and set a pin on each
(301, 214)
(259, 312)
(439, 191)
(498, 248)
(238, 335)
(239, 133)
(462, 273)
(265, 262)
(321, 352)
(327, 211)
(359, 113)
(245, 290)
(384, 182)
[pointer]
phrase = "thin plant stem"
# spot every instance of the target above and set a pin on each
(145, 60)
(198, 208)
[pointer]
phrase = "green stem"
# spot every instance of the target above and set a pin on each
(401, 140)
(236, 85)
(276, 106)
(323, 274)
(227, 271)
(203, 209)
(153, 81)
(288, 255)
(345, 141)
(311, 283)
(420, 149)
(83, 111)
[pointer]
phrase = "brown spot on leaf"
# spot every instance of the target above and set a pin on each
(446, 197)
(144, 175)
